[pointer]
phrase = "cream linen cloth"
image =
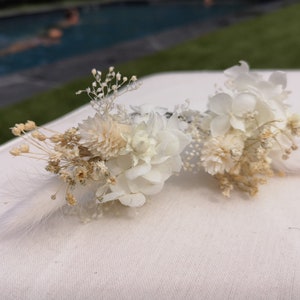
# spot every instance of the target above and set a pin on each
(188, 242)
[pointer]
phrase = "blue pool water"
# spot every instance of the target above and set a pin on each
(99, 27)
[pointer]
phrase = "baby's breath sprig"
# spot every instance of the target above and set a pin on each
(103, 92)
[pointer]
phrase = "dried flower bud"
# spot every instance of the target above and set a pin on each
(294, 124)
(288, 151)
(56, 138)
(15, 152)
(24, 148)
(294, 147)
(30, 125)
(16, 131)
(38, 135)
(70, 199)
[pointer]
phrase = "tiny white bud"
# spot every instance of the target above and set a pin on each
(133, 78)
(111, 69)
(125, 79)
(118, 76)
(94, 72)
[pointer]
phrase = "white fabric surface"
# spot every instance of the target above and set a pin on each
(188, 242)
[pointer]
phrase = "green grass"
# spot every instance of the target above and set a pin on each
(269, 41)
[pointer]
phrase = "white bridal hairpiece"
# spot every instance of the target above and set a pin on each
(124, 156)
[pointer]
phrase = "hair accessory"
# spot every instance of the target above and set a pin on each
(116, 154)
(124, 156)
(246, 127)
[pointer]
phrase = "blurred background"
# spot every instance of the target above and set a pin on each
(47, 48)
(34, 35)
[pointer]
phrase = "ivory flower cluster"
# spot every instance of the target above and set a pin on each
(244, 126)
(119, 155)
(124, 156)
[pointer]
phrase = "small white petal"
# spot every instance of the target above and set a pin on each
(237, 70)
(154, 176)
(265, 113)
(243, 103)
(237, 123)
(219, 125)
(133, 200)
(152, 189)
(267, 89)
(278, 78)
(137, 171)
(101, 190)
(111, 196)
(220, 103)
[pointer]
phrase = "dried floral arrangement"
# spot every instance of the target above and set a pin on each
(247, 126)
(120, 155)
(125, 156)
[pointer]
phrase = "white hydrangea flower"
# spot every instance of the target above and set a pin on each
(230, 112)
(151, 156)
(250, 102)
(270, 93)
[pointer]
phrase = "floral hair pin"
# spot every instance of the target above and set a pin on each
(124, 156)
(247, 128)
(118, 155)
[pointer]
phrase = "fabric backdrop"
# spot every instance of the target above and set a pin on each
(188, 242)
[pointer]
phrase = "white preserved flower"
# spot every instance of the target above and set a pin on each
(230, 112)
(270, 93)
(152, 155)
